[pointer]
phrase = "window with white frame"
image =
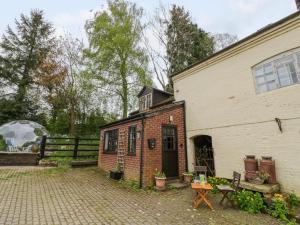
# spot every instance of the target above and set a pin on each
(111, 141)
(279, 71)
(145, 102)
(132, 140)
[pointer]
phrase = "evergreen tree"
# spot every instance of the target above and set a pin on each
(22, 52)
(186, 42)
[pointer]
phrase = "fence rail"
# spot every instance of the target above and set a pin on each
(61, 147)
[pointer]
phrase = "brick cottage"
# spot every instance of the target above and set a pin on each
(151, 138)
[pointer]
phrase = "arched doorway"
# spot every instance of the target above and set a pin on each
(204, 153)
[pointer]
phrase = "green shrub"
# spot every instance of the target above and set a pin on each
(249, 201)
(2, 143)
(214, 181)
(279, 209)
(294, 200)
(130, 184)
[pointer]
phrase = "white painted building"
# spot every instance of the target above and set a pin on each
(234, 96)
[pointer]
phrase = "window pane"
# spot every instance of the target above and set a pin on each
(259, 71)
(283, 75)
(270, 77)
(132, 140)
(293, 73)
(106, 141)
(262, 88)
(268, 68)
(298, 60)
(260, 80)
(272, 86)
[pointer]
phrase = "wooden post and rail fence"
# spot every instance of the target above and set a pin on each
(51, 145)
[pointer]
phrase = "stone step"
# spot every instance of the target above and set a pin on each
(178, 185)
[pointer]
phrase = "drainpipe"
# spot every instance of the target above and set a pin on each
(142, 153)
(185, 140)
(298, 4)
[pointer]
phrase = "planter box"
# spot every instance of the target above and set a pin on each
(116, 175)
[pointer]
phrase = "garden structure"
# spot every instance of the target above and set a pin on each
(150, 139)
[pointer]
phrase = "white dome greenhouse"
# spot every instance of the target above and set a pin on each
(22, 135)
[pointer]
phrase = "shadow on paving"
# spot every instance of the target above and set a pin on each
(87, 196)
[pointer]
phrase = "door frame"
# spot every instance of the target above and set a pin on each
(176, 145)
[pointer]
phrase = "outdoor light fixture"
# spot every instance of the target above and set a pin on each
(278, 121)
(170, 118)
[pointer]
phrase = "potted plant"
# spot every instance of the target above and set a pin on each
(117, 173)
(261, 177)
(188, 177)
(160, 179)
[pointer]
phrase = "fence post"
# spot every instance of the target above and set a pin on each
(76, 147)
(43, 146)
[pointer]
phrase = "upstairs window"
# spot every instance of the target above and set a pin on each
(280, 71)
(111, 141)
(132, 140)
(145, 102)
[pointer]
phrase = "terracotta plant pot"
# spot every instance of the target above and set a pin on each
(188, 178)
(160, 182)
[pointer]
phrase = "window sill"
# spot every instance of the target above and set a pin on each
(110, 153)
(131, 154)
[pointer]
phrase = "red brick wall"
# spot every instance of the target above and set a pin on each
(131, 162)
(153, 158)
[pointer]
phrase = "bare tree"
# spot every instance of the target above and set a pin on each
(223, 40)
(157, 54)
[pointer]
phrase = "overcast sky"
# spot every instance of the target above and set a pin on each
(241, 17)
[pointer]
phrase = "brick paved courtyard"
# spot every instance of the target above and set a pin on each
(85, 196)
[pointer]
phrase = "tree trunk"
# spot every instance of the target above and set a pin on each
(72, 118)
(21, 95)
(124, 88)
(125, 97)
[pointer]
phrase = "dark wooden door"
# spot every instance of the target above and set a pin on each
(169, 151)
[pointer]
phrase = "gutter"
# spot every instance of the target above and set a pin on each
(142, 153)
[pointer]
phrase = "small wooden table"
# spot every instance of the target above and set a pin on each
(202, 190)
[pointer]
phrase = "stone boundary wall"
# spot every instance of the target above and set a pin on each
(18, 159)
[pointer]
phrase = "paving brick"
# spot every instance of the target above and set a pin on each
(86, 196)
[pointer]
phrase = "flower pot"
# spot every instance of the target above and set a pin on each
(268, 165)
(251, 166)
(116, 175)
(188, 178)
(160, 182)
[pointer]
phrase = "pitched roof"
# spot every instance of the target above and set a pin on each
(141, 115)
(155, 89)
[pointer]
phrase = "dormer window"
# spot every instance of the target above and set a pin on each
(145, 102)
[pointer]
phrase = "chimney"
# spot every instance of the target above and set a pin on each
(298, 4)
